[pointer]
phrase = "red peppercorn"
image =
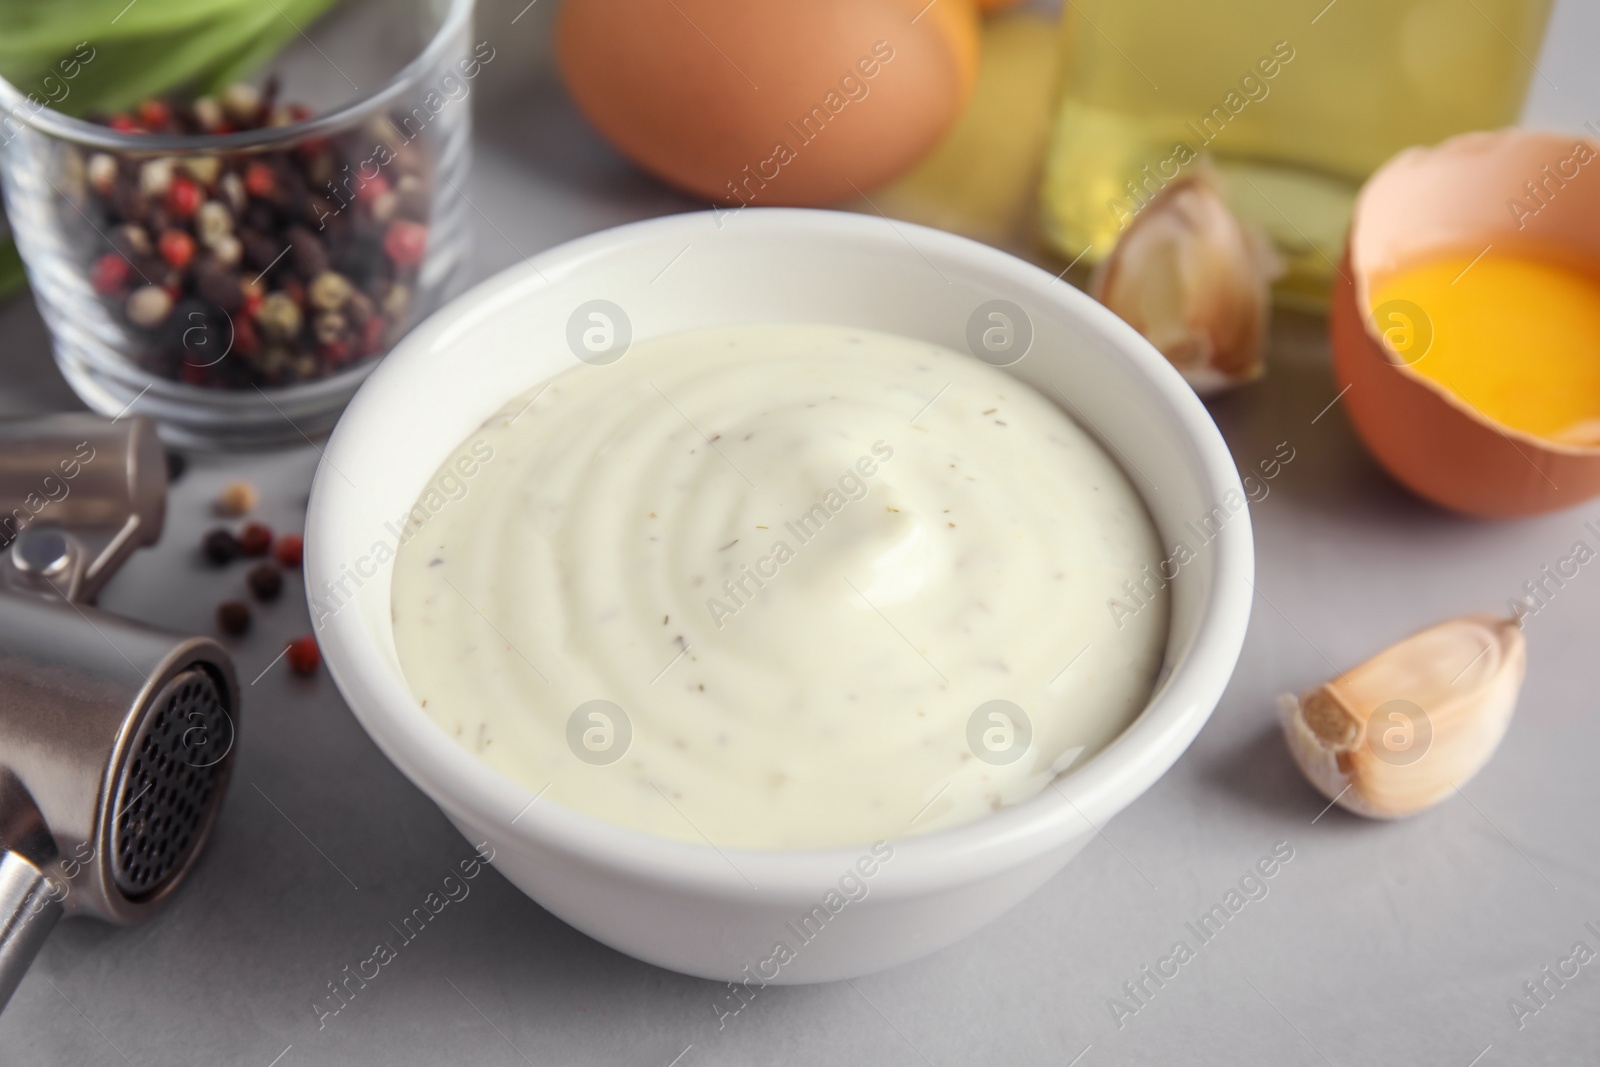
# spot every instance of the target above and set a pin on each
(288, 549)
(255, 539)
(123, 124)
(405, 242)
(154, 114)
(299, 112)
(177, 248)
(246, 341)
(304, 655)
(372, 188)
(336, 353)
(259, 180)
(371, 335)
(194, 374)
(184, 196)
(110, 274)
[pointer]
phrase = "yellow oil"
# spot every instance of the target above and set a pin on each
(1516, 337)
(1295, 101)
(983, 178)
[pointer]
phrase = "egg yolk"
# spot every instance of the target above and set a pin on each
(1516, 337)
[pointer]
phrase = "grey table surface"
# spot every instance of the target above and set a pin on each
(1378, 943)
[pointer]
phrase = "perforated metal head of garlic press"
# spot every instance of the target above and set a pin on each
(116, 739)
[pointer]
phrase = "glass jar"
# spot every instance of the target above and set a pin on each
(1295, 104)
(234, 264)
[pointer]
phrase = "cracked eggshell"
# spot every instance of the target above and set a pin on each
(1457, 198)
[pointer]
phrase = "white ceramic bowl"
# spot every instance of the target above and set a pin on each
(689, 907)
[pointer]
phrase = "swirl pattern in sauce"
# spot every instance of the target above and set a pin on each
(760, 586)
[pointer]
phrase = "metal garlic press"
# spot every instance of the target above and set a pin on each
(116, 739)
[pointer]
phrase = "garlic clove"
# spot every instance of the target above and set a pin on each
(1195, 281)
(1398, 733)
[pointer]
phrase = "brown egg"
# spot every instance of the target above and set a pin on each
(770, 102)
(1462, 196)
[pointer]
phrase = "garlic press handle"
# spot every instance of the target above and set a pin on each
(89, 489)
(29, 907)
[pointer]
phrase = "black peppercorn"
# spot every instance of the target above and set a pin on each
(265, 581)
(233, 617)
(310, 255)
(260, 251)
(219, 285)
(221, 547)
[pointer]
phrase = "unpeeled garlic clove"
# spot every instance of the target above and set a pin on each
(1195, 281)
(1398, 733)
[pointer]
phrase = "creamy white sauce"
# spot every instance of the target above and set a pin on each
(798, 558)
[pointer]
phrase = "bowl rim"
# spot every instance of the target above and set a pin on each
(1076, 804)
(14, 103)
